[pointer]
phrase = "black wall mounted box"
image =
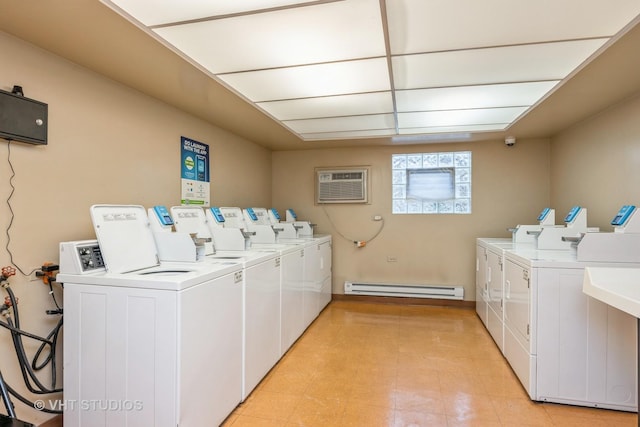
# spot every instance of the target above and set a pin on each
(23, 119)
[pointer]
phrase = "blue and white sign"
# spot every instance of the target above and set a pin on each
(194, 171)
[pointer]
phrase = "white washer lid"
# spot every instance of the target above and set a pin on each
(191, 219)
(263, 216)
(125, 237)
(233, 217)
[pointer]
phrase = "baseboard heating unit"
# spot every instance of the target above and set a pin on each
(398, 290)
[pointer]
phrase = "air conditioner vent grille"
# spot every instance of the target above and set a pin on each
(341, 186)
(341, 191)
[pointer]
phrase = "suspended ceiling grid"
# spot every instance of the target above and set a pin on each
(396, 68)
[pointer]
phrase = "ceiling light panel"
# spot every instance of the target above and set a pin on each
(330, 106)
(307, 35)
(549, 61)
(440, 25)
(338, 124)
(347, 135)
(438, 137)
(465, 97)
(447, 129)
(459, 117)
(159, 12)
(339, 78)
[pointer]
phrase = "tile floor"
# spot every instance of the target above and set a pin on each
(367, 365)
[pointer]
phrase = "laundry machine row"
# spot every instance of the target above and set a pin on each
(564, 346)
(153, 342)
(147, 343)
(490, 271)
(305, 262)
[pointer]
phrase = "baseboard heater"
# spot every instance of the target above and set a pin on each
(398, 290)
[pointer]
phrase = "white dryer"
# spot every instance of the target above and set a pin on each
(147, 343)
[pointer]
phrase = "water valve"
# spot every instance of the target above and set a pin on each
(7, 272)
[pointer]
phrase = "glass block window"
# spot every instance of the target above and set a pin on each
(431, 183)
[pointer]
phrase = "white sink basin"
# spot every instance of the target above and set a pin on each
(618, 287)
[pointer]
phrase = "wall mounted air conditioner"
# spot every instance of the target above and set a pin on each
(342, 185)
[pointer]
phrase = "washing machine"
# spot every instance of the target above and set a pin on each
(291, 283)
(317, 259)
(563, 345)
(300, 294)
(490, 253)
(147, 343)
(318, 271)
(260, 297)
(489, 284)
(306, 229)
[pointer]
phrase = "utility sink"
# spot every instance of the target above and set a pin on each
(618, 287)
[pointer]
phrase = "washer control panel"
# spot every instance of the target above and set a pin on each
(81, 257)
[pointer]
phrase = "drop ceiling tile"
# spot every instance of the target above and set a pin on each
(339, 78)
(339, 124)
(481, 116)
(330, 106)
(441, 25)
(549, 61)
(450, 69)
(157, 12)
(309, 35)
(466, 97)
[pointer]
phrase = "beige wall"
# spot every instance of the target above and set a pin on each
(596, 164)
(107, 144)
(510, 186)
